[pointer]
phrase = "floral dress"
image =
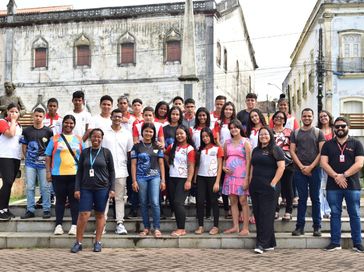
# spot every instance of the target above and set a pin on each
(236, 162)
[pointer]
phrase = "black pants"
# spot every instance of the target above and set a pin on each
(177, 197)
(205, 192)
(8, 169)
(286, 189)
(264, 203)
(64, 186)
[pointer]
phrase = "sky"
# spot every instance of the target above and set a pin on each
(274, 27)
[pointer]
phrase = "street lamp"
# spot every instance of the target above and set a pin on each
(275, 85)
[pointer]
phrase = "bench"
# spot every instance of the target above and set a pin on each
(26, 120)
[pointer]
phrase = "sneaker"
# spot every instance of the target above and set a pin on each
(269, 249)
(58, 230)
(53, 199)
(192, 200)
(317, 232)
(97, 247)
(76, 247)
(39, 203)
(27, 215)
(4, 216)
(120, 229)
(46, 215)
(9, 213)
(332, 247)
(259, 250)
(358, 248)
(295, 202)
(73, 230)
(298, 232)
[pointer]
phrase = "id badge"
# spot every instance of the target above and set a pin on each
(92, 173)
(342, 158)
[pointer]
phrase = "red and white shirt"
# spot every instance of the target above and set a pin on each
(163, 122)
(54, 123)
(182, 155)
(209, 160)
(10, 147)
(137, 130)
(223, 130)
(214, 117)
(195, 135)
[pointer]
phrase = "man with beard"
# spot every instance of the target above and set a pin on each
(306, 144)
(342, 158)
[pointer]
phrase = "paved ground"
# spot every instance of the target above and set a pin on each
(191, 260)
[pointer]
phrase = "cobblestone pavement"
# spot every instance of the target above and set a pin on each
(143, 260)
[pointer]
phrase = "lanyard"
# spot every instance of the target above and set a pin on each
(342, 149)
(93, 161)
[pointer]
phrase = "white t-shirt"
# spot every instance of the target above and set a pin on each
(195, 133)
(82, 119)
(254, 138)
(208, 161)
(179, 167)
(10, 147)
(119, 143)
(97, 121)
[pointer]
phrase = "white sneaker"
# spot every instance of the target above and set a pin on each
(103, 231)
(72, 230)
(187, 200)
(120, 229)
(192, 200)
(58, 230)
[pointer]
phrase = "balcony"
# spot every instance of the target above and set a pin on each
(350, 65)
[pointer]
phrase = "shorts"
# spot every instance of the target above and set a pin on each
(93, 199)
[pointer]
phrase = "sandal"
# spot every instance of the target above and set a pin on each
(157, 234)
(199, 230)
(232, 230)
(145, 232)
(286, 217)
(214, 231)
(244, 233)
(177, 233)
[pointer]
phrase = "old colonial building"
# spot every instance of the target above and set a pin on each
(330, 51)
(140, 51)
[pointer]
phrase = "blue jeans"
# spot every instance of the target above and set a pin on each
(31, 176)
(352, 199)
(149, 190)
(306, 184)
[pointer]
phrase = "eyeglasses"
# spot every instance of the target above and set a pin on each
(340, 126)
(278, 117)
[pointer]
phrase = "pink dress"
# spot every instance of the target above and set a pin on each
(236, 162)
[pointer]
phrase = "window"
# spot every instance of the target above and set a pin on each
(40, 54)
(126, 50)
(172, 46)
(218, 54)
(82, 52)
(351, 58)
(225, 60)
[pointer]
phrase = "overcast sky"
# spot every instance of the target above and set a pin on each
(274, 28)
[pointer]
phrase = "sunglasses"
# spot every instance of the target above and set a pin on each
(340, 126)
(278, 117)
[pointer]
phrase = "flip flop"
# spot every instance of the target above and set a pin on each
(145, 232)
(157, 234)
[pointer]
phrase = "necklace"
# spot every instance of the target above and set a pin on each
(146, 146)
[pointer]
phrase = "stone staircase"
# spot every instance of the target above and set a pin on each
(38, 232)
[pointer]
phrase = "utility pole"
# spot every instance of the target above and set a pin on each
(320, 74)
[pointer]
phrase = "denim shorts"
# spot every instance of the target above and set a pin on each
(93, 199)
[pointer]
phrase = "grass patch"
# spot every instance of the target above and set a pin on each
(16, 198)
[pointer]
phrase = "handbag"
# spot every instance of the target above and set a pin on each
(69, 148)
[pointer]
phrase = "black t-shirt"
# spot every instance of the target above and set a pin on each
(169, 134)
(243, 117)
(264, 167)
(353, 149)
(103, 168)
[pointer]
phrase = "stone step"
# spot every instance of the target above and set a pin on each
(20, 209)
(167, 225)
(133, 240)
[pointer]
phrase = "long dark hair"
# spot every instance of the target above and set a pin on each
(331, 119)
(211, 136)
(175, 144)
(238, 124)
(208, 119)
(272, 141)
(251, 124)
(161, 103)
(151, 126)
(169, 116)
(222, 116)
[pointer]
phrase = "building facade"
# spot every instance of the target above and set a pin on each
(341, 63)
(134, 51)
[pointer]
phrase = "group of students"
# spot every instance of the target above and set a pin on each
(168, 148)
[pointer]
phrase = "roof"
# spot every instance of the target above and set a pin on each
(39, 9)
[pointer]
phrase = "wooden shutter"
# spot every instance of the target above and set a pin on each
(127, 53)
(83, 55)
(40, 57)
(174, 51)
